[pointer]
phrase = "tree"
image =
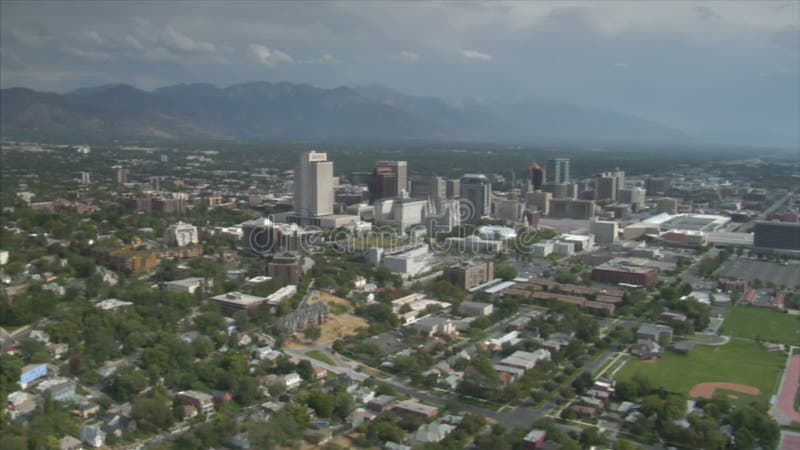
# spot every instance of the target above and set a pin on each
(312, 332)
(322, 403)
(591, 437)
(153, 411)
(505, 272)
(305, 370)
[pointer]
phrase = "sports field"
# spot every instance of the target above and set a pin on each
(739, 361)
(770, 326)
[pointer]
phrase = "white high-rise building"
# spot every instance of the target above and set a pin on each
(181, 234)
(605, 232)
(557, 170)
(313, 185)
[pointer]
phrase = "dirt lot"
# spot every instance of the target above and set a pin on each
(338, 325)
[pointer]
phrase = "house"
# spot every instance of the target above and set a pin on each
(31, 373)
(203, 403)
(240, 441)
(61, 389)
(585, 412)
(70, 443)
(381, 403)
(395, 446)
(292, 380)
(58, 350)
(534, 440)
(320, 373)
(92, 435)
(21, 403)
(646, 349)
(360, 416)
(431, 433)
(656, 333)
(113, 305)
(363, 395)
(266, 354)
(414, 408)
(117, 424)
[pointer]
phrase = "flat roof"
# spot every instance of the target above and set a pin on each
(238, 298)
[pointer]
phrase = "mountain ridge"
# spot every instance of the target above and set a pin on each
(261, 110)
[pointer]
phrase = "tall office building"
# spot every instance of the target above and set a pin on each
(558, 170)
(388, 179)
(453, 188)
(606, 187)
(634, 195)
(430, 188)
(86, 178)
(536, 177)
(313, 185)
(122, 175)
(476, 189)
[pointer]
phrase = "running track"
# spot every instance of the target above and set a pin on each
(788, 391)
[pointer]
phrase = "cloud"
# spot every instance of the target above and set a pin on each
(476, 55)
(269, 57)
(404, 56)
(92, 37)
(87, 54)
(621, 65)
(181, 42)
(325, 58)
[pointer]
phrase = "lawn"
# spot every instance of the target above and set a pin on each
(319, 356)
(771, 326)
(739, 361)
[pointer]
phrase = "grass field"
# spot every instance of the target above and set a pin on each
(739, 361)
(319, 356)
(771, 326)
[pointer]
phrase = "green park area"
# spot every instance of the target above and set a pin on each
(762, 324)
(319, 356)
(739, 361)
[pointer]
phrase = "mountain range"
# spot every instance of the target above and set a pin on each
(263, 111)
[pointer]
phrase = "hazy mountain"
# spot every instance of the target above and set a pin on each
(284, 111)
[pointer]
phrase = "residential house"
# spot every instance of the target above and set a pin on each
(645, 349)
(70, 443)
(92, 435)
(431, 433)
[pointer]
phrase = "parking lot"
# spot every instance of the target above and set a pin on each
(766, 271)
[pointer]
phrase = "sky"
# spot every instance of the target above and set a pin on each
(712, 68)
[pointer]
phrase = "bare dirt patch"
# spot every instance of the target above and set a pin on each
(336, 327)
(706, 390)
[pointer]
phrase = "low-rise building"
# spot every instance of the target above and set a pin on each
(189, 285)
(654, 332)
(231, 302)
(412, 407)
(313, 314)
(475, 308)
(534, 440)
(625, 271)
(203, 403)
(467, 275)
